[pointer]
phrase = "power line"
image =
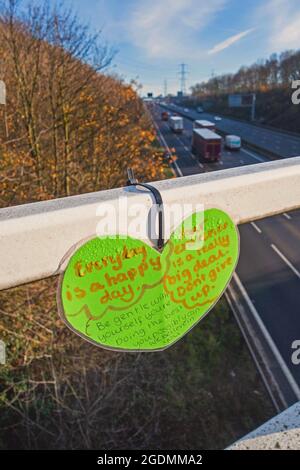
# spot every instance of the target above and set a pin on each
(183, 74)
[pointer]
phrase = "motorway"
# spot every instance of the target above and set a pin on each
(270, 140)
(269, 265)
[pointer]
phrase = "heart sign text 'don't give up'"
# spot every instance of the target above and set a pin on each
(122, 294)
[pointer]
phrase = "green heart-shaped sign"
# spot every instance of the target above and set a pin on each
(122, 294)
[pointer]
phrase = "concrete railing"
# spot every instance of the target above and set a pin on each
(279, 433)
(35, 237)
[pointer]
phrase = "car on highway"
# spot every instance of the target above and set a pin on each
(218, 118)
(165, 116)
(200, 110)
(233, 142)
(186, 110)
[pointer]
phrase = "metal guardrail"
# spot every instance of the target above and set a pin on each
(35, 237)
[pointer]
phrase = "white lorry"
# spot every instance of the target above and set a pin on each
(204, 124)
(176, 124)
(233, 142)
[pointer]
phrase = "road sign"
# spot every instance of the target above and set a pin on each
(235, 101)
(246, 100)
(242, 100)
(2, 92)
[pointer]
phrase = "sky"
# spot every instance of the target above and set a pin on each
(152, 37)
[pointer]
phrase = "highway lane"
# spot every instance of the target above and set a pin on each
(269, 265)
(278, 142)
(230, 158)
(188, 163)
(272, 285)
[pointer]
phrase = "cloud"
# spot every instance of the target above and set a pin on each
(169, 29)
(229, 41)
(283, 25)
(285, 32)
(290, 35)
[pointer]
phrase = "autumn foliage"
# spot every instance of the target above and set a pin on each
(270, 79)
(276, 72)
(68, 127)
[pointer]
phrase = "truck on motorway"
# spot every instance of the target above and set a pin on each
(203, 124)
(206, 145)
(233, 142)
(165, 116)
(176, 124)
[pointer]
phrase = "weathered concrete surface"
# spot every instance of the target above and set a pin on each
(280, 433)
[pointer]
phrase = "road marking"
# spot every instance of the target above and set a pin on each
(253, 156)
(178, 169)
(268, 338)
(257, 351)
(287, 262)
(256, 227)
(167, 147)
(287, 216)
(163, 140)
(189, 152)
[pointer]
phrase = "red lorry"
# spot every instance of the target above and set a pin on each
(206, 145)
(165, 116)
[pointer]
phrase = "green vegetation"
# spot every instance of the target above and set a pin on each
(203, 392)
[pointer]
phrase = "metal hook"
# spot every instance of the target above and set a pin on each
(132, 181)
